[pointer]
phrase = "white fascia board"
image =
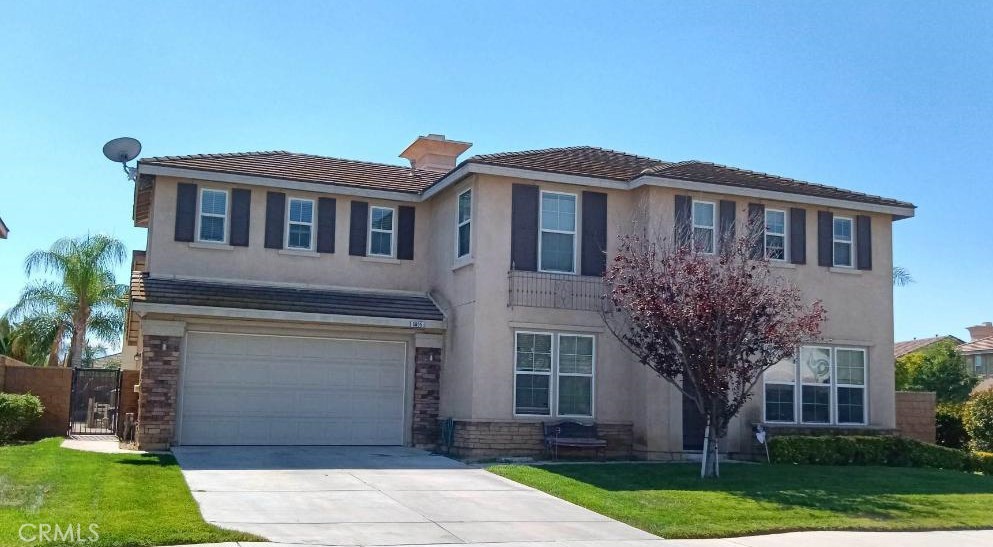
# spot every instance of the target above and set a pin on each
(709, 187)
(273, 315)
(528, 174)
(269, 182)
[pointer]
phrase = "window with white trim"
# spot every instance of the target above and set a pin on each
(704, 231)
(382, 226)
(300, 224)
(463, 224)
(553, 374)
(832, 387)
(557, 241)
(842, 241)
(213, 216)
(775, 234)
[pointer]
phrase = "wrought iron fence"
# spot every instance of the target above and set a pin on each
(94, 400)
(561, 291)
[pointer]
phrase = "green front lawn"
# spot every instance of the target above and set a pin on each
(133, 499)
(670, 500)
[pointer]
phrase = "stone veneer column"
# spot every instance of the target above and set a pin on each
(158, 384)
(425, 429)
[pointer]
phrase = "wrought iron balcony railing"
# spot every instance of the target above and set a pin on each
(561, 291)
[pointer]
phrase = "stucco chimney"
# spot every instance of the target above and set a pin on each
(978, 332)
(434, 153)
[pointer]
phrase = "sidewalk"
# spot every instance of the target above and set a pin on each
(965, 538)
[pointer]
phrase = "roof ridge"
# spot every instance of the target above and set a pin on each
(217, 155)
(561, 148)
(263, 153)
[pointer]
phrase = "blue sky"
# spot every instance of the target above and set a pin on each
(891, 98)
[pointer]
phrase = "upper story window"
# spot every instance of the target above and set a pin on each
(463, 228)
(843, 242)
(775, 234)
(382, 226)
(553, 368)
(832, 387)
(704, 231)
(300, 224)
(557, 242)
(213, 217)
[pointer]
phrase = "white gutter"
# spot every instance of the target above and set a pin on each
(272, 315)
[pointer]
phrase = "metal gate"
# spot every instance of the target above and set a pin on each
(94, 401)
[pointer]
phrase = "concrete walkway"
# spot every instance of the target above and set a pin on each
(383, 496)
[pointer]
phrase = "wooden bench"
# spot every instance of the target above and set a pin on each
(573, 435)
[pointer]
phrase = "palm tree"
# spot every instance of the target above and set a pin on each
(85, 298)
(35, 340)
(901, 276)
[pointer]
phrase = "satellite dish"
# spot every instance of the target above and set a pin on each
(122, 150)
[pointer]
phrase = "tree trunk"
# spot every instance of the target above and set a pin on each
(78, 343)
(711, 465)
(53, 355)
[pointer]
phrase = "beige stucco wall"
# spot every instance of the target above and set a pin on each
(477, 375)
(256, 263)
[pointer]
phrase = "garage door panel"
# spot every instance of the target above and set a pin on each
(278, 390)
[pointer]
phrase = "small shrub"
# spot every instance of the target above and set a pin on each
(950, 430)
(17, 412)
(978, 420)
(983, 462)
(859, 450)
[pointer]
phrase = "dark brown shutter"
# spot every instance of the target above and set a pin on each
(325, 224)
(825, 238)
(756, 230)
(524, 227)
(358, 226)
(405, 233)
(798, 235)
(275, 214)
(241, 210)
(683, 231)
(593, 248)
(726, 235)
(186, 211)
(863, 242)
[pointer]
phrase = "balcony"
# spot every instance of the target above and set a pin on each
(560, 291)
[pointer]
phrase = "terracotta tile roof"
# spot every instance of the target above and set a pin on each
(266, 297)
(587, 161)
(983, 344)
(699, 171)
(910, 346)
(305, 168)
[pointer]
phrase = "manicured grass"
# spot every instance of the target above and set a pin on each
(670, 500)
(134, 499)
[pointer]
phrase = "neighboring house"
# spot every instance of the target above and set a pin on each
(3, 230)
(296, 299)
(978, 351)
(113, 360)
(920, 344)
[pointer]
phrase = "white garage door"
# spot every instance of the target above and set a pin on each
(275, 390)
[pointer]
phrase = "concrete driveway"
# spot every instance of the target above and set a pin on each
(381, 496)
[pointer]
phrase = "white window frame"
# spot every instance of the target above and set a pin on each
(793, 384)
(226, 216)
(834, 385)
(460, 223)
(573, 233)
(784, 235)
(392, 231)
(850, 242)
(312, 223)
(553, 373)
(558, 375)
(712, 227)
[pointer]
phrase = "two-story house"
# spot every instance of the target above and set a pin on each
(978, 351)
(295, 299)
